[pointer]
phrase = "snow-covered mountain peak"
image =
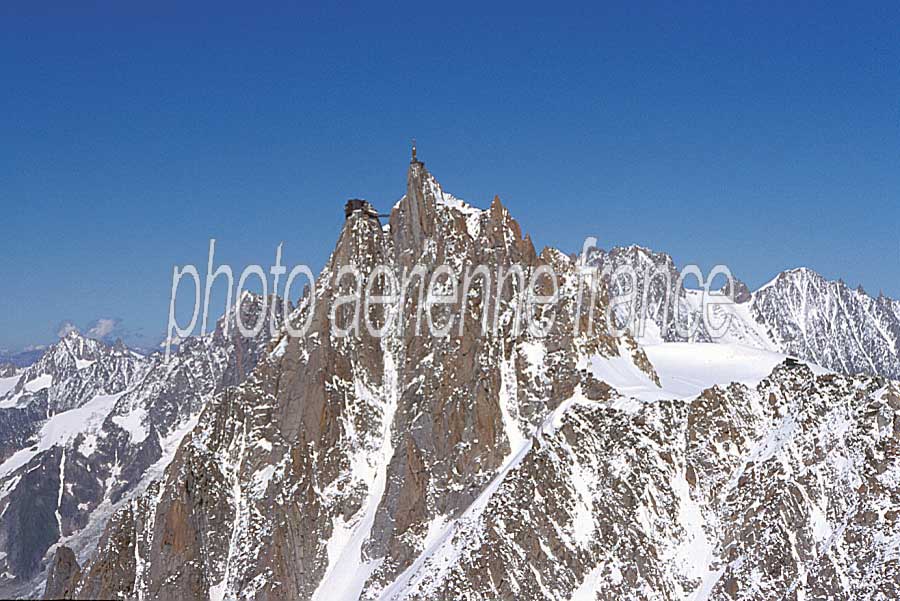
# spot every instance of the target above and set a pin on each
(399, 433)
(829, 323)
(482, 465)
(72, 370)
(796, 276)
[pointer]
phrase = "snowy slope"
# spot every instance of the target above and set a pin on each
(6, 385)
(687, 369)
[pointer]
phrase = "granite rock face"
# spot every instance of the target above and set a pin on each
(344, 455)
(62, 574)
(783, 491)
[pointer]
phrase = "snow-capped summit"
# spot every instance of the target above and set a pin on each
(829, 323)
(73, 370)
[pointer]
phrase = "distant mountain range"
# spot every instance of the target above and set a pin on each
(88, 426)
(797, 313)
(21, 358)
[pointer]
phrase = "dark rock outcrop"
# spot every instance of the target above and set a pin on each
(64, 571)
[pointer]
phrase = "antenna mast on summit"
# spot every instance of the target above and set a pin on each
(414, 160)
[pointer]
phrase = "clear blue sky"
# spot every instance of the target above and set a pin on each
(760, 136)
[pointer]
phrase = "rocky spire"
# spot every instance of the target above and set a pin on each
(62, 574)
(412, 220)
(390, 436)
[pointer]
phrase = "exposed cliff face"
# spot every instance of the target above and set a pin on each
(62, 574)
(788, 490)
(328, 472)
(90, 425)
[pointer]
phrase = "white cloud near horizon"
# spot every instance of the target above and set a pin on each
(65, 328)
(103, 327)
